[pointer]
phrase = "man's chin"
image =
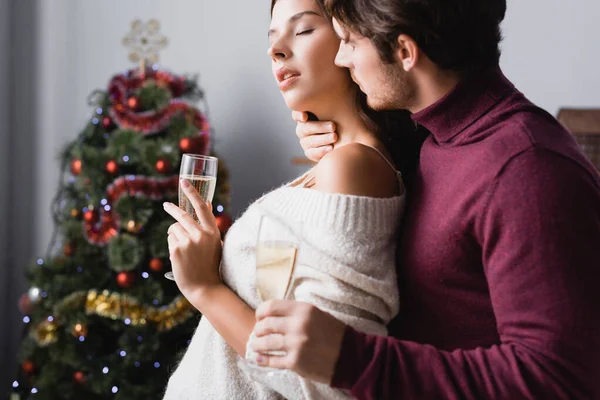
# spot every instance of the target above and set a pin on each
(378, 105)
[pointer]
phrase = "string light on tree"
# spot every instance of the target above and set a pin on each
(79, 330)
(134, 227)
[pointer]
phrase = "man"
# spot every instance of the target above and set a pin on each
(500, 251)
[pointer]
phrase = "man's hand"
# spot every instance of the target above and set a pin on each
(316, 137)
(310, 338)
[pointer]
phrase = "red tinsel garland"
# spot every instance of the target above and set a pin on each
(154, 121)
(101, 231)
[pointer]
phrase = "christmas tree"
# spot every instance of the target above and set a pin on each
(101, 321)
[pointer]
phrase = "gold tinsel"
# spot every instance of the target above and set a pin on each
(45, 333)
(120, 307)
(115, 306)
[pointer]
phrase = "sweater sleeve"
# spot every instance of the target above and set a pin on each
(544, 290)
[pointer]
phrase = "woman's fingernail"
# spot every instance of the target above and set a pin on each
(166, 205)
(261, 360)
(185, 184)
(328, 149)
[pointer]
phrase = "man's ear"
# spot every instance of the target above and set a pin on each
(408, 52)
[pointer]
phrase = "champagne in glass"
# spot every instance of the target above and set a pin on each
(205, 185)
(276, 256)
(201, 172)
(275, 261)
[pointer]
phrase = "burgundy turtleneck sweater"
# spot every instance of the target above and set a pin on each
(499, 263)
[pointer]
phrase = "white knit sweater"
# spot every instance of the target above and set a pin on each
(345, 266)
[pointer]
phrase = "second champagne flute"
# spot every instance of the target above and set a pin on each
(277, 251)
(201, 172)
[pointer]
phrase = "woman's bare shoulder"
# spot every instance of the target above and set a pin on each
(356, 169)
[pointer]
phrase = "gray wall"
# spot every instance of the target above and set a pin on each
(552, 51)
(18, 163)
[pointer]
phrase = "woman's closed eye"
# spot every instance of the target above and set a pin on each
(304, 32)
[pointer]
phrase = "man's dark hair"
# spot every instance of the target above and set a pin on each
(458, 35)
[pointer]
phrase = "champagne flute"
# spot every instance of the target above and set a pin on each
(277, 250)
(201, 172)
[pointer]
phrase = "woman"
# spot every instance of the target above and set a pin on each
(349, 204)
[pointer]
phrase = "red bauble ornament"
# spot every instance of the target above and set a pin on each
(28, 367)
(224, 222)
(163, 166)
(195, 144)
(133, 103)
(125, 279)
(79, 377)
(76, 167)
(68, 250)
(107, 123)
(25, 304)
(185, 144)
(112, 167)
(156, 265)
(90, 216)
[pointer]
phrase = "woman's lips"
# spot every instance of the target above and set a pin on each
(286, 77)
(289, 82)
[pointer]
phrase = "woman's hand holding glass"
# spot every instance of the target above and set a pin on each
(194, 247)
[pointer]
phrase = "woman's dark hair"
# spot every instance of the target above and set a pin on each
(458, 35)
(394, 128)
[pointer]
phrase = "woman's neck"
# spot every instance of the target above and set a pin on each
(349, 125)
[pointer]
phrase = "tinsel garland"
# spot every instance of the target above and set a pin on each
(115, 306)
(102, 230)
(153, 121)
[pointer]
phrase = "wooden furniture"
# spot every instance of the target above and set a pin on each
(584, 124)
